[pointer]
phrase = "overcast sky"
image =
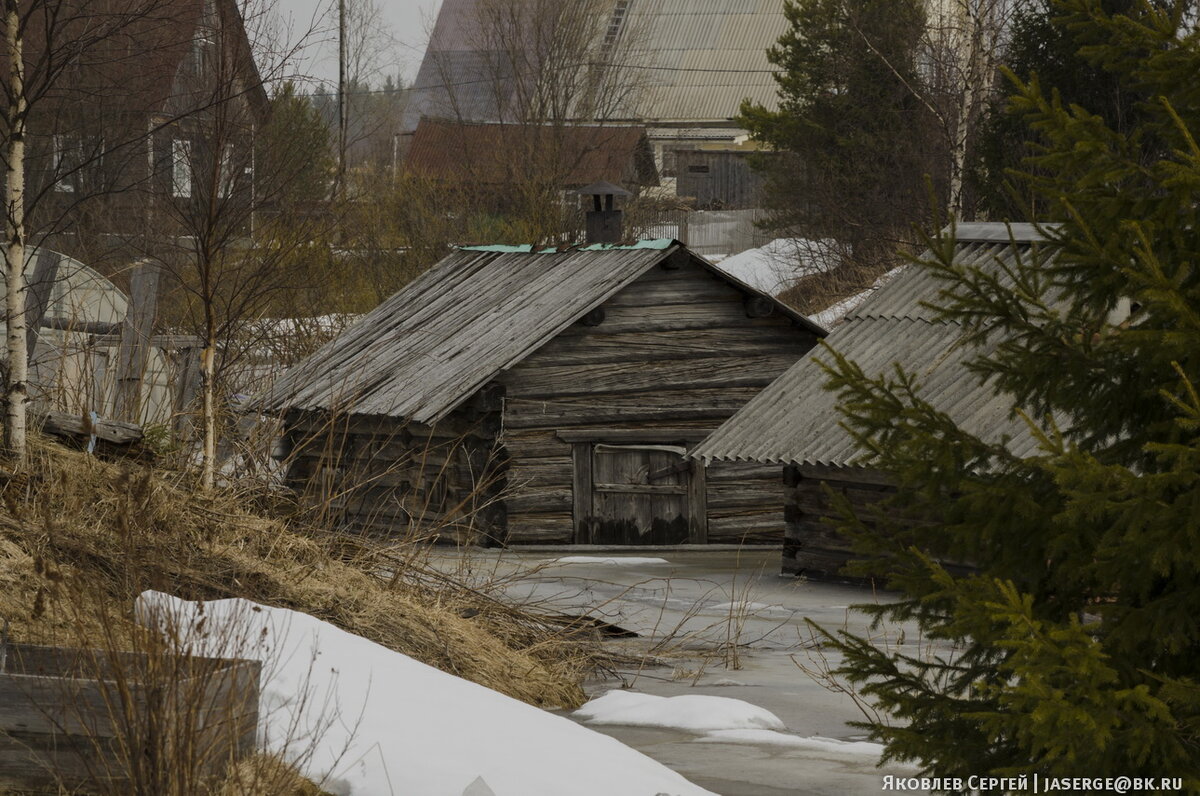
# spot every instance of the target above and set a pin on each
(404, 29)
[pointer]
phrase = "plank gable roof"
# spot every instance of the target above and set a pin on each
(478, 312)
(796, 420)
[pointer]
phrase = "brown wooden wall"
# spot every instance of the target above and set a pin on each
(812, 547)
(675, 350)
(385, 477)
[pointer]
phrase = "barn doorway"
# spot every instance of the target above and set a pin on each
(639, 494)
(635, 492)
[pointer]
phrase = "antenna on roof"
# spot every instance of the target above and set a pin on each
(604, 220)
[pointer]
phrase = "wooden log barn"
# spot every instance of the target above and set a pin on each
(518, 396)
(795, 423)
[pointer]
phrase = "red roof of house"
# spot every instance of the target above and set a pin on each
(499, 154)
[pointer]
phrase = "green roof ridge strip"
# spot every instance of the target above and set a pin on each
(527, 248)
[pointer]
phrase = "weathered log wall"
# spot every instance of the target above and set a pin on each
(812, 546)
(387, 477)
(678, 349)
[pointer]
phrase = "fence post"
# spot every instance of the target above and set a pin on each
(37, 300)
(135, 340)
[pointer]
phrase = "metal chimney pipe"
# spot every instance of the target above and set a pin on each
(603, 224)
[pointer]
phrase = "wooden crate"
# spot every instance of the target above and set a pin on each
(82, 719)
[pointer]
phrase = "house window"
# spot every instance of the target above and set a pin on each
(227, 175)
(64, 162)
(181, 168)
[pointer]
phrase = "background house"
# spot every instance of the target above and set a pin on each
(544, 396)
(683, 68)
(796, 424)
(493, 159)
(127, 141)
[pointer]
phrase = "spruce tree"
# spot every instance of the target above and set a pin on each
(1077, 639)
(846, 79)
(1040, 46)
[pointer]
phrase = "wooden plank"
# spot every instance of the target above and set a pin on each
(531, 381)
(81, 327)
(581, 491)
(683, 290)
(853, 474)
(542, 501)
(744, 493)
(697, 504)
(745, 471)
(664, 435)
(37, 297)
(187, 386)
(81, 429)
(552, 471)
(540, 528)
(669, 317)
(730, 527)
(135, 337)
(170, 342)
(605, 347)
(642, 489)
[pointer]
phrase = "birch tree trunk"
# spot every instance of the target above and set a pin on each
(208, 462)
(16, 387)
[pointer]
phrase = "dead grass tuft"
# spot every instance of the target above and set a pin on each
(114, 530)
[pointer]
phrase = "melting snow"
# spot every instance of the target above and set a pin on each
(772, 267)
(697, 713)
(630, 561)
(382, 723)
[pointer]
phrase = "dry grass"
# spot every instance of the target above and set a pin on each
(114, 529)
(815, 292)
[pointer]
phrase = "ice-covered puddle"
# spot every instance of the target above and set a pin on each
(362, 720)
(726, 625)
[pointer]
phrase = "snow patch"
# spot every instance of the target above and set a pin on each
(383, 723)
(691, 712)
(630, 561)
(812, 743)
(772, 267)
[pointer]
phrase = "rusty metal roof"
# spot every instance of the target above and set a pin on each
(478, 312)
(501, 154)
(795, 420)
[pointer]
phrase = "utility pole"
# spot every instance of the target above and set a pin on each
(343, 109)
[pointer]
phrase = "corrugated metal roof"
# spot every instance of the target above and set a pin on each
(700, 58)
(478, 312)
(691, 61)
(796, 420)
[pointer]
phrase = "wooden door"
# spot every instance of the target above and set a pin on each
(639, 494)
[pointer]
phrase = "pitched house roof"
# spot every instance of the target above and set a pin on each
(135, 52)
(478, 312)
(687, 61)
(501, 154)
(698, 59)
(796, 420)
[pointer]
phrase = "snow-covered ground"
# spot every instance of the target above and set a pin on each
(363, 720)
(730, 711)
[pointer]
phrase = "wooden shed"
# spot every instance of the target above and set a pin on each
(519, 396)
(795, 423)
